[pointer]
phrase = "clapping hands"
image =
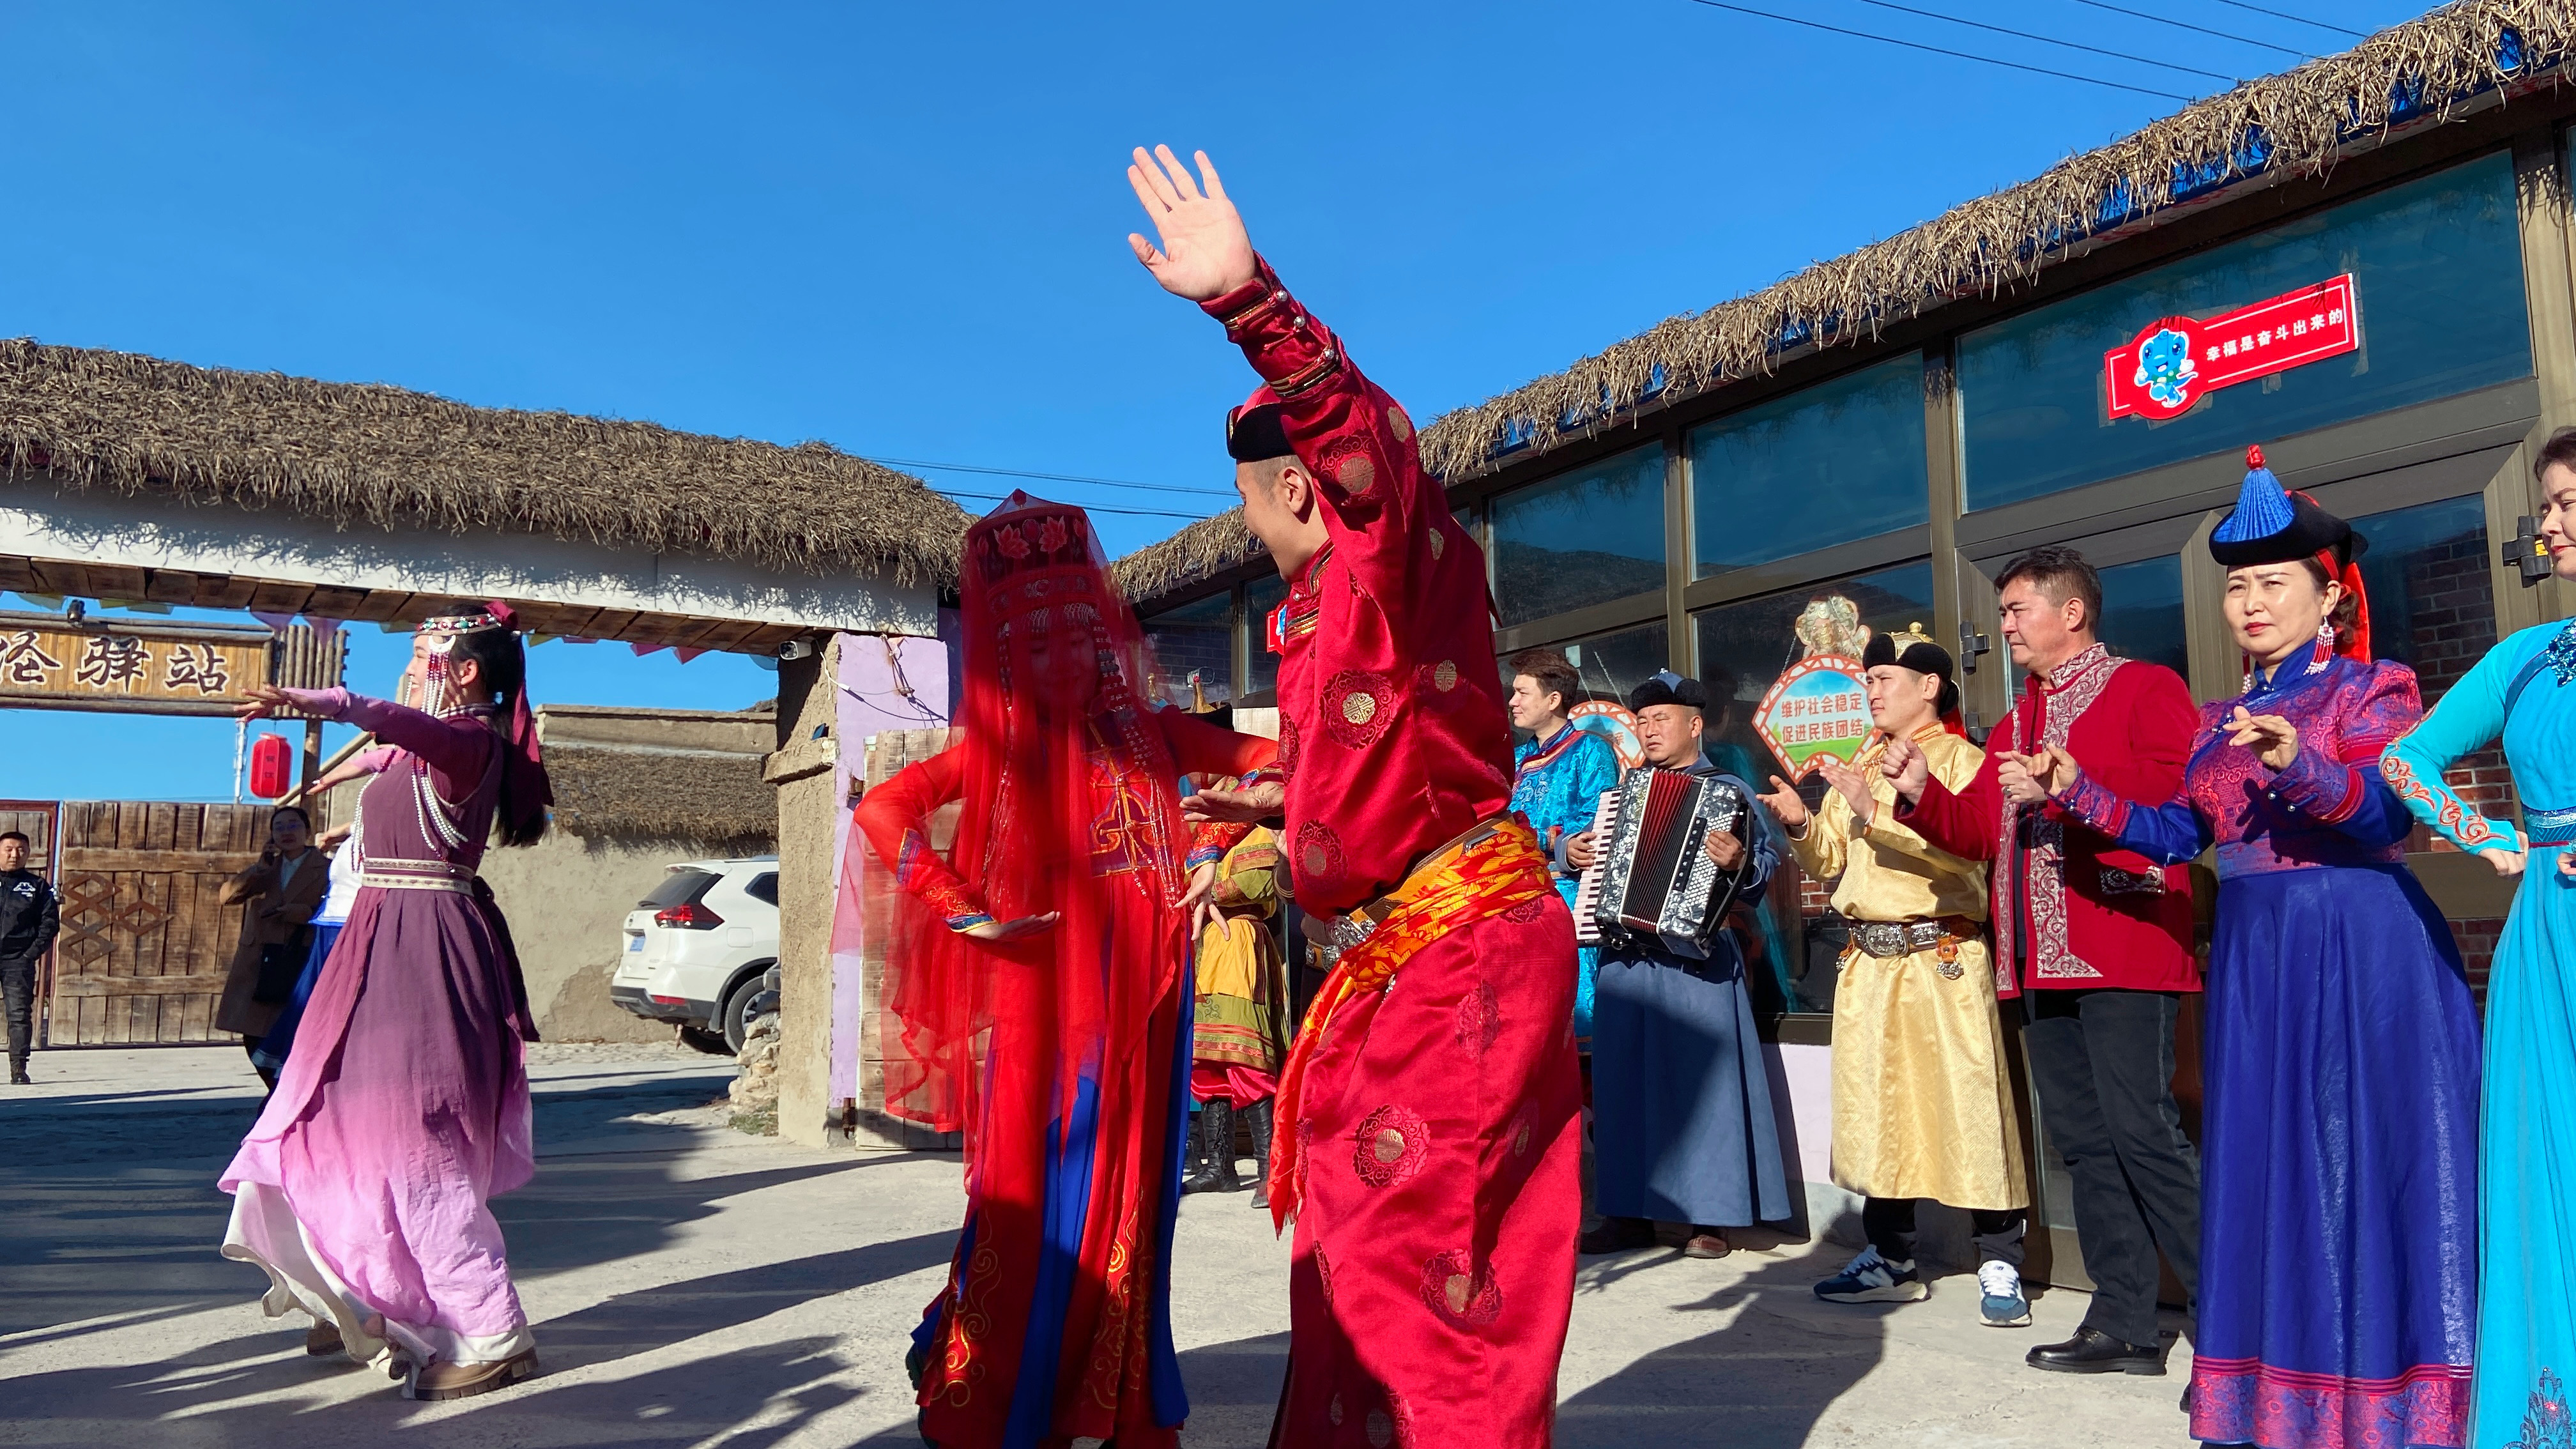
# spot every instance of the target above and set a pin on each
(2032, 778)
(2274, 740)
(1907, 765)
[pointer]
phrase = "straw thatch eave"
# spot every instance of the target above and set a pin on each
(710, 801)
(364, 455)
(1200, 551)
(2296, 123)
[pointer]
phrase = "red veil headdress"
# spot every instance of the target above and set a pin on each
(1041, 741)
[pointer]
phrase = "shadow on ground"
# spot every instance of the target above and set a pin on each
(1775, 1367)
(740, 1399)
(114, 1209)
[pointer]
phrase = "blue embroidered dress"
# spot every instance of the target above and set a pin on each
(2527, 1152)
(2340, 1065)
(1558, 787)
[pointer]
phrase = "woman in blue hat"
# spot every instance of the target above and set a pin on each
(2524, 693)
(2337, 1245)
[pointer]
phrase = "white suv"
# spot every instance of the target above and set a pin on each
(696, 949)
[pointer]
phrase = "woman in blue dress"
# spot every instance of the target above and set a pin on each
(2337, 1255)
(1563, 772)
(2523, 692)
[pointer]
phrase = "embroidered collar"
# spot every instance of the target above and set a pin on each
(1545, 752)
(2561, 653)
(2091, 657)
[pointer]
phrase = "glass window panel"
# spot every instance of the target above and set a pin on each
(1260, 597)
(2432, 607)
(2142, 612)
(1197, 637)
(2432, 596)
(1613, 664)
(2438, 272)
(1586, 537)
(1746, 645)
(1826, 465)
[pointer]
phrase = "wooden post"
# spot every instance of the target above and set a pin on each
(312, 756)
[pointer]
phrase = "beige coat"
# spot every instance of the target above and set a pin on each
(276, 915)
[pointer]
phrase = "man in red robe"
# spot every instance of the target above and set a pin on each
(1426, 1139)
(2096, 941)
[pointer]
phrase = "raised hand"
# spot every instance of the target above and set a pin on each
(1907, 765)
(1205, 252)
(2274, 740)
(265, 700)
(1785, 806)
(1235, 807)
(1020, 929)
(1851, 784)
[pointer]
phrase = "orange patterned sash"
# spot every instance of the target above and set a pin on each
(1496, 869)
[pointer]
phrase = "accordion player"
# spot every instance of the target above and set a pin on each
(1651, 879)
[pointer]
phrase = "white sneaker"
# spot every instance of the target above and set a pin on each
(1999, 1296)
(1869, 1278)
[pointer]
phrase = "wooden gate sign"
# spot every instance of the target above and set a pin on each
(126, 666)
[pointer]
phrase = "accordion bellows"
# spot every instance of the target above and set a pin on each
(1650, 881)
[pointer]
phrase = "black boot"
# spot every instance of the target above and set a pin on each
(1216, 1172)
(18, 1072)
(1257, 1117)
(1194, 1151)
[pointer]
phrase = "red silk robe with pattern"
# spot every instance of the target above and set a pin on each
(1433, 1263)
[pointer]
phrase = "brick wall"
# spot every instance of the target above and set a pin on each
(2449, 627)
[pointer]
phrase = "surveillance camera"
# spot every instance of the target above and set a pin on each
(796, 649)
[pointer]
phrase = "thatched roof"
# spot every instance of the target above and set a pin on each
(707, 799)
(1203, 549)
(2295, 123)
(368, 455)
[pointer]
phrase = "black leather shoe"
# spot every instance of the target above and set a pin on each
(2092, 1351)
(1617, 1235)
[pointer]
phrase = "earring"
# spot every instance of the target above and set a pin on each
(2325, 648)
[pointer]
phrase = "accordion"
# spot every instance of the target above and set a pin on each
(1650, 881)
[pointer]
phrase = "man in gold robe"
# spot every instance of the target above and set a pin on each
(1922, 1105)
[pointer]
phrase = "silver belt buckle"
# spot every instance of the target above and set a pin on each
(1882, 938)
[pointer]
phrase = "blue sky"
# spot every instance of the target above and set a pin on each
(901, 229)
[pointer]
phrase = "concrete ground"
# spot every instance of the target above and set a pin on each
(693, 1286)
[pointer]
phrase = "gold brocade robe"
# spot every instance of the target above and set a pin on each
(1922, 1105)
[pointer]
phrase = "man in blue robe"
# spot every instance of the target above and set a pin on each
(1683, 1128)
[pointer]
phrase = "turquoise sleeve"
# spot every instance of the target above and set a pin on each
(2468, 719)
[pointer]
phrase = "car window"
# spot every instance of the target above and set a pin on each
(680, 888)
(763, 887)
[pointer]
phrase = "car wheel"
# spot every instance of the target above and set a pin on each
(710, 1042)
(737, 1014)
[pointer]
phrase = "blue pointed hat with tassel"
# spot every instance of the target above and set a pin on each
(2270, 524)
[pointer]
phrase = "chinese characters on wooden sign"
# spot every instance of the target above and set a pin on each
(48, 662)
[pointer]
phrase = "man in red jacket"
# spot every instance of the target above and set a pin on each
(1425, 1138)
(2096, 941)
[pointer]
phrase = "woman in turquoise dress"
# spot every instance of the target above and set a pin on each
(1563, 771)
(2523, 692)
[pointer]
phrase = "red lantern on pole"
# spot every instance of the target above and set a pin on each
(272, 766)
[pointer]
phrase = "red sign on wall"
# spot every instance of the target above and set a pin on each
(2176, 361)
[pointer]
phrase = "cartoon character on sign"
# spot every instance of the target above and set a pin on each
(2165, 368)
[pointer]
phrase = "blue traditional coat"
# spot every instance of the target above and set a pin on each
(1557, 788)
(1683, 1126)
(2340, 1064)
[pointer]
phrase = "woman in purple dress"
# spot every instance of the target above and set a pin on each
(364, 1188)
(2338, 1249)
